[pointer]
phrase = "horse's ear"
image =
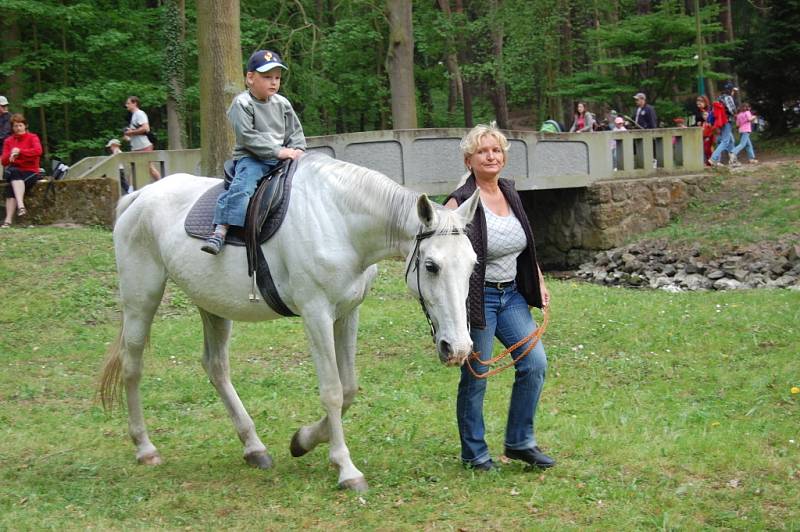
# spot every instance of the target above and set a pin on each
(467, 209)
(426, 211)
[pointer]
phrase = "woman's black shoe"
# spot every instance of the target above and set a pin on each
(484, 467)
(533, 456)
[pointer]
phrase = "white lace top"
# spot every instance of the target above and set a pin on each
(505, 241)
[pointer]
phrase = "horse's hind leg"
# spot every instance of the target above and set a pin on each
(216, 332)
(141, 287)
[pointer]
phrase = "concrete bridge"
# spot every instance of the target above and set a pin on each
(429, 160)
(577, 201)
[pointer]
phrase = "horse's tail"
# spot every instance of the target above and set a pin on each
(126, 201)
(110, 385)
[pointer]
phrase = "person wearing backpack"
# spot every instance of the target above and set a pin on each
(724, 113)
(138, 133)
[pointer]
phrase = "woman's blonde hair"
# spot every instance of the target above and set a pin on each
(469, 144)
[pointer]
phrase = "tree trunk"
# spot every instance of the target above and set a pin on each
(175, 72)
(220, 66)
(499, 97)
(400, 64)
(14, 81)
(466, 86)
(65, 78)
(726, 17)
(40, 89)
(456, 92)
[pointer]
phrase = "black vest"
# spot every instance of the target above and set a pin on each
(527, 269)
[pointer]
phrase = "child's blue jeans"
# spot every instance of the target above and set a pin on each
(232, 203)
(745, 143)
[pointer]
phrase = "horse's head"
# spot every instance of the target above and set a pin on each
(438, 271)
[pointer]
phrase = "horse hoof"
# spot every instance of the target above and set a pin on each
(152, 459)
(358, 484)
(260, 460)
(295, 448)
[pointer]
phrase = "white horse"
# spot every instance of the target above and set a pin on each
(342, 219)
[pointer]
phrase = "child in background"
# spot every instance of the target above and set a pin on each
(744, 120)
(619, 125)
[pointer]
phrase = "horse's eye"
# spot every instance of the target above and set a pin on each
(431, 266)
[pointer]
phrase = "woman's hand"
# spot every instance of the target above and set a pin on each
(545, 294)
(543, 288)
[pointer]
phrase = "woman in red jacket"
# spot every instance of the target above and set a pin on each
(21, 152)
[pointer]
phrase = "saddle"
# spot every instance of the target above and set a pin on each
(265, 213)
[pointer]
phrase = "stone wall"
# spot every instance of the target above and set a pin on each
(79, 201)
(571, 225)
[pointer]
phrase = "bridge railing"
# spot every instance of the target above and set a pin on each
(429, 160)
(137, 165)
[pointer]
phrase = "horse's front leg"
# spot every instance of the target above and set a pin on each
(337, 387)
(216, 332)
(345, 332)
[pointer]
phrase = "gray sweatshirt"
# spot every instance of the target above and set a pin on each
(262, 128)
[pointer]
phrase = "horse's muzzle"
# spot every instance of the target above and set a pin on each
(453, 355)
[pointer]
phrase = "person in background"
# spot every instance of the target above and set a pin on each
(114, 146)
(582, 120)
(507, 279)
(136, 133)
(267, 130)
(744, 120)
(5, 123)
(21, 154)
(724, 117)
(619, 125)
(701, 114)
(645, 116)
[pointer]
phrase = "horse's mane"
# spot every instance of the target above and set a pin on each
(370, 191)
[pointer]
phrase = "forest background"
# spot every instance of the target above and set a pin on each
(70, 64)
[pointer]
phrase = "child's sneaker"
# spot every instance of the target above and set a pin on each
(753, 161)
(733, 160)
(214, 244)
(715, 164)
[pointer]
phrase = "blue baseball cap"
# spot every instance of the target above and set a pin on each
(264, 60)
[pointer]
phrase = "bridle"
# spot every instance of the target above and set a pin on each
(422, 235)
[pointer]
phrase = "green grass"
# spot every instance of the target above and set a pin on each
(760, 204)
(664, 411)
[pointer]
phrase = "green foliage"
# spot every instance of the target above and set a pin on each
(767, 64)
(655, 53)
(77, 60)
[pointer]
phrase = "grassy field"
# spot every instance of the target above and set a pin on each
(664, 411)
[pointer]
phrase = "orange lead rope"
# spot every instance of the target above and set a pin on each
(534, 338)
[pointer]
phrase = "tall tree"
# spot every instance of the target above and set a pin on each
(499, 98)
(456, 92)
(400, 64)
(175, 72)
(769, 68)
(220, 66)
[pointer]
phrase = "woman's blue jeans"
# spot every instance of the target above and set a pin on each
(509, 319)
(745, 143)
(232, 203)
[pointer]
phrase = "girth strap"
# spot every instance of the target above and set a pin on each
(257, 267)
